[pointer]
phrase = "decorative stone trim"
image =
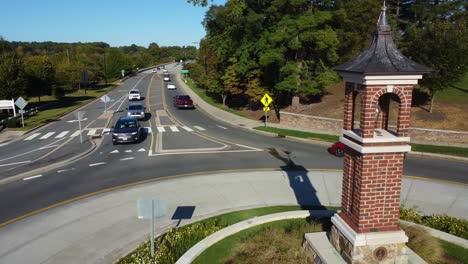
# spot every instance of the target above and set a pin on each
(383, 139)
(365, 150)
(380, 79)
(368, 239)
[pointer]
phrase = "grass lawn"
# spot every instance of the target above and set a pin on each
(457, 94)
(454, 251)
(61, 106)
(274, 242)
(446, 150)
(210, 100)
(285, 238)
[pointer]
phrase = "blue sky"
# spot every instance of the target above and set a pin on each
(116, 22)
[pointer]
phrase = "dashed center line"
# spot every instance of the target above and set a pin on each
(32, 177)
(97, 164)
(199, 128)
(129, 158)
(221, 127)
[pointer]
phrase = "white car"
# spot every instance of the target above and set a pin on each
(134, 94)
(171, 86)
(166, 78)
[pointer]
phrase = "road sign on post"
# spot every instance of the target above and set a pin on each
(266, 101)
(151, 208)
(21, 103)
(105, 99)
(123, 73)
(79, 115)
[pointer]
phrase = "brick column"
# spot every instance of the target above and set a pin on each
(348, 117)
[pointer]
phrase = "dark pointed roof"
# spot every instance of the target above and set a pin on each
(382, 57)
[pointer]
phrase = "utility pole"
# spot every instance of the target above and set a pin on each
(105, 66)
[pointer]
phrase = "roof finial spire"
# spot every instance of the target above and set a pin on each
(383, 16)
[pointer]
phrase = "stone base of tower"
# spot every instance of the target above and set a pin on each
(374, 247)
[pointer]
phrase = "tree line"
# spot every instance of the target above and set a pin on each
(33, 69)
(289, 48)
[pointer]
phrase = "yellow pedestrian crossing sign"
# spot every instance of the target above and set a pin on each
(266, 100)
(266, 108)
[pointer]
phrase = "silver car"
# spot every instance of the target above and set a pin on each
(137, 110)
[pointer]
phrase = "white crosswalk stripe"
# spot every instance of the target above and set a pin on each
(107, 131)
(48, 135)
(62, 134)
(91, 132)
(76, 133)
(31, 137)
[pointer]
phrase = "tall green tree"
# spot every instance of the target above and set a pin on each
(12, 76)
(443, 46)
(40, 73)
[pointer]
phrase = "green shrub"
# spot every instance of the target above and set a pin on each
(444, 223)
(13, 123)
(172, 245)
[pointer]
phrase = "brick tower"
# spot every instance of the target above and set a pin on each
(366, 230)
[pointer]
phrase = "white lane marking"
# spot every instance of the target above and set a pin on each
(32, 136)
(141, 150)
(50, 146)
(91, 132)
(161, 129)
(27, 152)
(203, 152)
(174, 129)
(106, 131)
(123, 98)
(115, 151)
(64, 170)
(221, 127)
(76, 120)
(15, 163)
(32, 177)
(129, 158)
(187, 128)
(62, 134)
(244, 146)
(76, 133)
(199, 128)
(128, 151)
(46, 136)
(97, 164)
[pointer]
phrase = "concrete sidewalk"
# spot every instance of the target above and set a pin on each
(104, 227)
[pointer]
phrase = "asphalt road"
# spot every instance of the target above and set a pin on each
(175, 142)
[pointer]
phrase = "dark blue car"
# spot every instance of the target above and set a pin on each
(126, 130)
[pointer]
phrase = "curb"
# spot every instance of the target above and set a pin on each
(212, 239)
(190, 255)
(435, 155)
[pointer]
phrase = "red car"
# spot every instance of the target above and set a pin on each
(337, 149)
(183, 101)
